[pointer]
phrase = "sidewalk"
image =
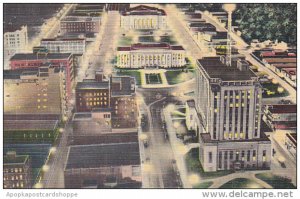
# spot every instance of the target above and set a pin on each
(176, 146)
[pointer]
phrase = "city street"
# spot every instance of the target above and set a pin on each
(159, 151)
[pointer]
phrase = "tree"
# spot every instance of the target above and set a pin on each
(268, 22)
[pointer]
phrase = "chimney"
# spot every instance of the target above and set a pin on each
(99, 76)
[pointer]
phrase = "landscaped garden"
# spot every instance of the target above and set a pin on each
(241, 183)
(178, 76)
(153, 78)
(275, 181)
(125, 41)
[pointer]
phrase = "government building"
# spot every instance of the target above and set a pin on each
(143, 17)
(143, 55)
(227, 117)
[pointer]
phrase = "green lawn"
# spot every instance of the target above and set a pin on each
(241, 183)
(125, 41)
(168, 39)
(203, 185)
(194, 166)
(153, 78)
(178, 76)
(273, 92)
(275, 181)
(133, 73)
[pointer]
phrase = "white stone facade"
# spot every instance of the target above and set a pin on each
(74, 46)
(228, 102)
(143, 56)
(143, 17)
(14, 42)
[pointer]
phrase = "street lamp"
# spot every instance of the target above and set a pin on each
(229, 8)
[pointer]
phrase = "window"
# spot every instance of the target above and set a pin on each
(136, 170)
(210, 157)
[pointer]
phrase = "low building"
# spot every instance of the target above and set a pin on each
(95, 128)
(76, 46)
(281, 116)
(30, 131)
(92, 94)
(151, 55)
(16, 171)
(35, 91)
(123, 102)
(291, 143)
(14, 41)
(116, 93)
(143, 17)
(57, 60)
(80, 24)
(103, 166)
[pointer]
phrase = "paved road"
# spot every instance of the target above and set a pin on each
(54, 177)
(177, 25)
(104, 51)
(159, 151)
(241, 45)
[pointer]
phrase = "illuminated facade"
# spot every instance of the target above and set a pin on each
(151, 55)
(62, 45)
(229, 108)
(15, 41)
(143, 17)
(16, 171)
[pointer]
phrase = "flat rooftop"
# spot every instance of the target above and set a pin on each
(103, 155)
(92, 85)
(18, 159)
(282, 108)
(216, 69)
(139, 46)
(33, 56)
(30, 125)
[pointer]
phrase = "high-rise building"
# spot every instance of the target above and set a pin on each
(35, 91)
(228, 100)
(57, 60)
(16, 171)
(15, 41)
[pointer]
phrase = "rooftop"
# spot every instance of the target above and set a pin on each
(80, 18)
(280, 60)
(103, 155)
(139, 46)
(292, 137)
(33, 56)
(216, 69)
(92, 85)
(282, 108)
(144, 10)
(18, 159)
(191, 103)
(22, 125)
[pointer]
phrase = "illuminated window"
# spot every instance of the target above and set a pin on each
(216, 110)
(38, 100)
